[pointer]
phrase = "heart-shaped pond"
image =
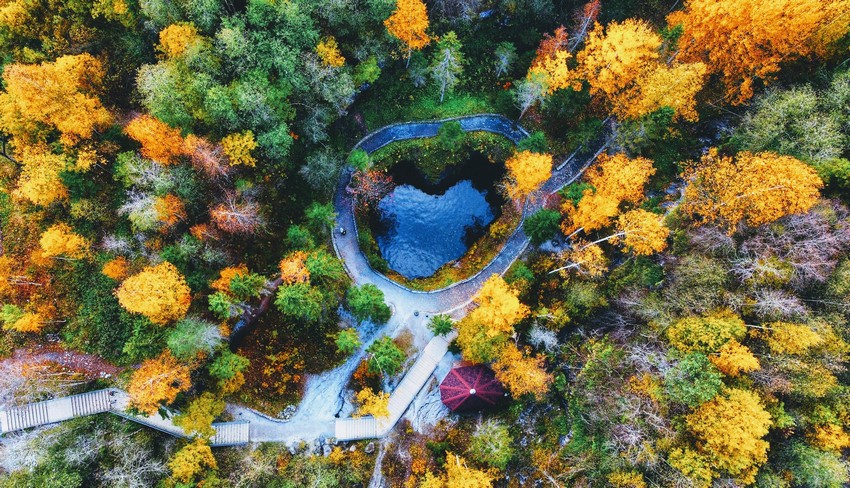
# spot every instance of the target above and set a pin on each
(421, 226)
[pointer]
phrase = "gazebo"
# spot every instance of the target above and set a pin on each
(471, 388)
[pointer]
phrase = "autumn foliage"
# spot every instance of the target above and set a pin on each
(408, 23)
(526, 172)
(328, 51)
(157, 381)
(177, 39)
(158, 292)
(641, 232)
(371, 403)
(751, 189)
(159, 141)
(62, 95)
(622, 64)
(39, 181)
(60, 240)
(191, 461)
(522, 374)
(613, 180)
(730, 430)
(745, 40)
(237, 147)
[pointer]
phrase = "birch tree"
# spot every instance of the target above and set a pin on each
(447, 63)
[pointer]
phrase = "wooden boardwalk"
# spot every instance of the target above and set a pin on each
(114, 401)
(371, 427)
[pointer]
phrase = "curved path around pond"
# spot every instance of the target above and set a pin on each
(458, 294)
(322, 403)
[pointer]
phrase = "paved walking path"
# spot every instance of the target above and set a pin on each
(407, 307)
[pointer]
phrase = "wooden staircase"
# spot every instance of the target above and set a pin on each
(114, 401)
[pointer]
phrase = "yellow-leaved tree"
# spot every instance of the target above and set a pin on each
(191, 461)
(641, 232)
(498, 306)
(63, 95)
(730, 431)
(328, 51)
(238, 146)
(198, 418)
(706, 334)
(159, 141)
(788, 338)
(555, 72)
(60, 240)
(614, 180)
(734, 358)
(39, 181)
(408, 23)
(178, 39)
(459, 475)
(526, 172)
(484, 332)
(745, 40)
(588, 259)
(371, 403)
(522, 374)
(674, 86)
(615, 56)
(749, 188)
(157, 381)
(158, 292)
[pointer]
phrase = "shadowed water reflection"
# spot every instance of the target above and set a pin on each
(421, 225)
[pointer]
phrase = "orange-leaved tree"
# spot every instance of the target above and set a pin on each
(749, 188)
(169, 210)
(734, 358)
(614, 180)
(157, 381)
(293, 268)
(159, 141)
(408, 23)
(526, 172)
(744, 40)
(63, 95)
(158, 292)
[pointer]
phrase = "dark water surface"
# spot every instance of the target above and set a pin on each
(423, 225)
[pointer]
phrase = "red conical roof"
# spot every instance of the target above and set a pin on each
(471, 388)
